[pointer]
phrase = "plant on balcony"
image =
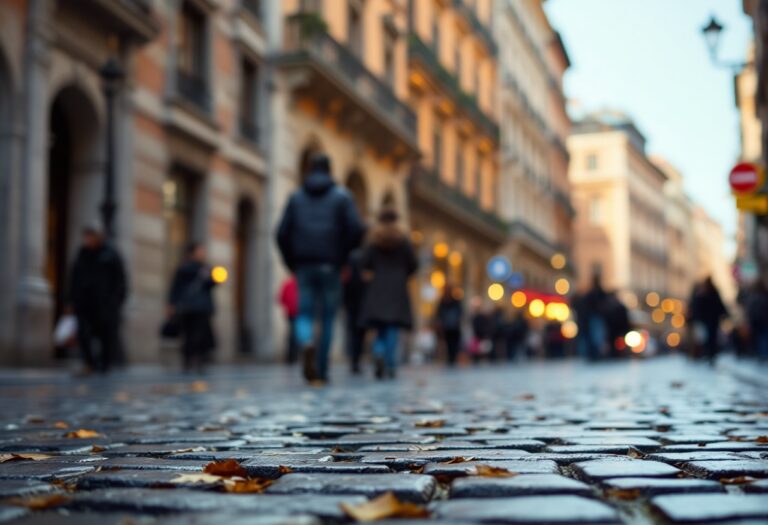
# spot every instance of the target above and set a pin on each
(310, 24)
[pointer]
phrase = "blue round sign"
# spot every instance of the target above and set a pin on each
(499, 268)
(515, 280)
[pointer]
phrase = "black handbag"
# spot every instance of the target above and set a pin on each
(171, 328)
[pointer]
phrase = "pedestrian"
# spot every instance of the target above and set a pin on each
(289, 300)
(388, 261)
(449, 318)
(706, 311)
(482, 331)
(516, 334)
(354, 291)
(590, 314)
(190, 300)
(97, 291)
(757, 313)
(319, 229)
(617, 323)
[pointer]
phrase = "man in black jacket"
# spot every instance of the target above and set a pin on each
(319, 229)
(97, 291)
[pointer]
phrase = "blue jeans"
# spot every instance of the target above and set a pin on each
(761, 345)
(385, 346)
(319, 292)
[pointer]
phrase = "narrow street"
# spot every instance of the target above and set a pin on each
(654, 441)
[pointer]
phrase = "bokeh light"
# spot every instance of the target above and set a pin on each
(558, 261)
(658, 316)
(495, 292)
(440, 250)
(569, 329)
(455, 259)
(652, 299)
(678, 320)
(668, 305)
(562, 286)
(519, 299)
(437, 279)
(633, 339)
(219, 274)
(673, 339)
(536, 308)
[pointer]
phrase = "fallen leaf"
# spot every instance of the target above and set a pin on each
(196, 478)
(96, 449)
(60, 425)
(35, 419)
(635, 453)
(82, 434)
(246, 486)
(382, 507)
(487, 471)
(5, 458)
(39, 502)
(418, 470)
(122, 397)
(677, 384)
(199, 387)
(456, 460)
(737, 438)
(434, 423)
(282, 469)
(226, 469)
(740, 480)
(664, 411)
(623, 494)
(762, 440)
(526, 397)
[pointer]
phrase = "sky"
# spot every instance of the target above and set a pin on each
(648, 58)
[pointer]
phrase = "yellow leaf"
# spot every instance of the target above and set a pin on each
(39, 502)
(226, 468)
(740, 480)
(199, 387)
(246, 486)
(385, 506)
(457, 459)
(82, 434)
(4, 458)
(624, 494)
(196, 478)
(282, 469)
(487, 471)
(60, 425)
(435, 423)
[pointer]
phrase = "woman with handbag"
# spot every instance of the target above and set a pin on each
(190, 304)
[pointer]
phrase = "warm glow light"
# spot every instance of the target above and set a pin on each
(495, 292)
(558, 261)
(658, 316)
(668, 305)
(678, 307)
(678, 320)
(416, 237)
(455, 259)
(673, 340)
(440, 250)
(563, 313)
(633, 339)
(437, 279)
(219, 274)
(569, 330)
(536, 308)
(652, 299)
(458, 294)
(519, 299)
(562, 286)
(550, 311)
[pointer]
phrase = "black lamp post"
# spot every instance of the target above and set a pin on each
(712, 32)
(111, 78)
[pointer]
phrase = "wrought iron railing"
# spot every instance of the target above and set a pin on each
(193, 88)
(479, 28)
(253, 7)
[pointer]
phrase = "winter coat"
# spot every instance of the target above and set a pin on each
(192, 289)
(98, 282)
(706, 306)
(450, 314)
(320, 224)
(391, 259)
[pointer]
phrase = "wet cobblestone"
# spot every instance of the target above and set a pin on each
(639, 443)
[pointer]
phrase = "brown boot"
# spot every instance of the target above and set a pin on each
(309, 361)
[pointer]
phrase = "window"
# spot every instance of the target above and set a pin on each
(592, 162)
(437, 146)
(459, 164)
(355, 29)
(389, 57)
(595, 211)
(178, 212)
(249, 100)
(192, 63)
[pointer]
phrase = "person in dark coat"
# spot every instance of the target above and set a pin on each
(516, 334)
(707, 311)
(617, 321)
(354, 291)
(590, 310)
(449, 318)
(319, 229)
(391, 261)
(190, 299)
(483, 332)
(757, 314)
(97, 291)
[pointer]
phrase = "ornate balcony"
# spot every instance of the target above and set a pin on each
(333, 76)
(429, 187)
(478, 28)
(127, 18)
(466, 102)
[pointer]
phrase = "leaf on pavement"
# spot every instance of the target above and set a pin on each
(635, 453)
(737, 438)
(60, 425)
(740, 480)
(199, 387)
(39, 502)
(487, 471)
(456, 460)
(526, 397)
(382, 507)
(82, 433)
(434, 423)
(246, 486)
(196, 478)
(677, 384)
(762, 439)
(282, 469)
(623, 494)
(226, 469)
(5, 458)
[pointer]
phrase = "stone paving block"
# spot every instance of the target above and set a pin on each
(522, 485)
(676, 458)
(63, 447)
(12, 488)
(659, 486)
(640, 443)
(727, 469)
(705, 508)
(604, 469)
(273, 468)
(756, 486)
(691, 439)
(137, 479)
(413, 488)
(139, 463)
(44, 471)
(529, 509)
(589, 449)
(405, 461)
(8, 513)
(578, 457)
(463, 469)
(501, 441)
(723, 446)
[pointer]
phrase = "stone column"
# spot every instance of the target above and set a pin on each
(34, 302)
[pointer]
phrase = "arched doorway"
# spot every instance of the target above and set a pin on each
(356, 186)
(74, 183)
(245, 274)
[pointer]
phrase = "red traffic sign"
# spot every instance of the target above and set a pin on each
(746, 178)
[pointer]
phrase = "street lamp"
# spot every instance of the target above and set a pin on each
(112, 76)
(712, 33)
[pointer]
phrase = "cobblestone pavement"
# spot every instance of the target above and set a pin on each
(661, 441)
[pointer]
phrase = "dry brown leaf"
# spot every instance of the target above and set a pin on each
(226, 469)
(664, 411)
(635, 453)
(762, 439)
(434, 423)
(96, 449)
(39, 502)
(740, 480)
(247, 486)
(60, 425)
(282, 469)
(487, 471)
(737, 438)
(196, 478)
(456, 460)
(82, 434)
(5, 458)
(199, 387)
(624, 494)
(382, 507)
(526, 397)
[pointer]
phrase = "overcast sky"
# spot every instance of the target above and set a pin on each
(648, 58)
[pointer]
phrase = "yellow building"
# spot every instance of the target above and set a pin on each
(455, 189)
